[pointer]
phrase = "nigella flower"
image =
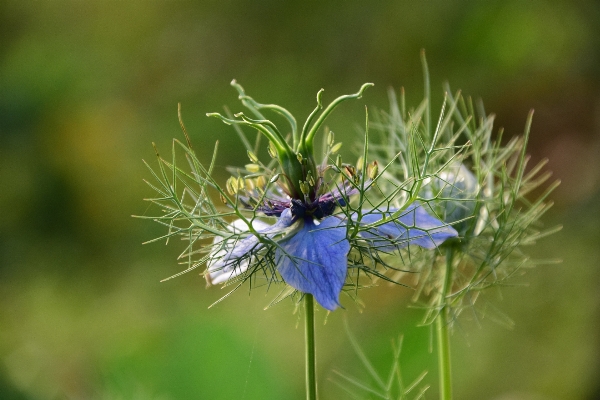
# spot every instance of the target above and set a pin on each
(310, 243)
(312, 256)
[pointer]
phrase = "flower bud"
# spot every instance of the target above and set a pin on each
(272, 150)
(261, 181)
(310, 180)
(351, 170)
(373, 170)
(254, 168)
(241, 184)
(359, 163)
(336, 148)
(274, 179)
(330, 139)
(252, 157)
(459, 185)
(304, 187)
(231, 185)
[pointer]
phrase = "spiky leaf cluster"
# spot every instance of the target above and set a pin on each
(496, 215)
(197, 209)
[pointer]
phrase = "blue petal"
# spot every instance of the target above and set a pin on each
(316, 260)
(231, 258)
(414, 226)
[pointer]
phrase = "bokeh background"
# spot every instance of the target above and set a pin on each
(86, 86)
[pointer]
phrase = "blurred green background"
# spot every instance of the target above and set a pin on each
(86, 86)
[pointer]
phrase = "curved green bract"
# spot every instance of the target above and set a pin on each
(311, 134)
(255, 106)
(296, 160)
(302, 144)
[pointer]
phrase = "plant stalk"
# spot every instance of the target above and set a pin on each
(443, 334)
(309, 334)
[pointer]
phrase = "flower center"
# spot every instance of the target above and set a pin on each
(317, 209)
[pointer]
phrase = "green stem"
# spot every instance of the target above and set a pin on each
(311, 365)
(443, 336)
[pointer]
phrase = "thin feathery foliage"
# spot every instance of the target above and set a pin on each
(468, 175)
(378, 386)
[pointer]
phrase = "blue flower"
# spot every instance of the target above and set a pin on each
(309, 245)
(312, 255)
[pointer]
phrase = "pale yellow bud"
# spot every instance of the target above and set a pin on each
(336, 148)
(359, 163)
(304, 187)
(252, 157)
(254, 168)
(351, 170)
(241, 184)
(231, 185)
(330, 138)
(272, 150)
(261, 181)
(373, 170)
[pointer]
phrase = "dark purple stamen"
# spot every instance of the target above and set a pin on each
(323, 207)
